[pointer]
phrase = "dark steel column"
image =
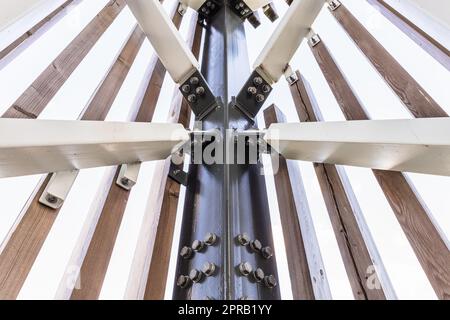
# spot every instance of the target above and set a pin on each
(226, 199)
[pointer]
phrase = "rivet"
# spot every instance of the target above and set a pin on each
(243, 239)
(267, 252)
(192, 98)
(258, 274)
(252, 90)
(209, 268)
(210, 239)
(186, 252)
(183, 281)
(197, 245)
(194, 81)
(186, 88)
(195, 275)
(260, 98)
(256, 245)
(245, 268)
(200, 91)
(270, 281)
(257, 81)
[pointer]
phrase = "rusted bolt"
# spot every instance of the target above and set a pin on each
(195, 275)
(192, 98)
(258, 274)
(183, 281)
(260, 98)
(186, 88)
(267, 252)
(51, 199)
(186, 252)
(252, 90)
(270, 281)
(245, 268)
(257, 81)
(209, 268)
(243, 239)
(256, 245)
(197, 245)
(210, 239)
(194, 81)
(200, 91)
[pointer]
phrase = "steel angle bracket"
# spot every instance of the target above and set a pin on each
(58, 188)
(128, 175)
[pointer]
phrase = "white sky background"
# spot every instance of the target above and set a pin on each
(406, 275)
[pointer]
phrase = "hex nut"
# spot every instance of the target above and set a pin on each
(245, 268)
(256, 245)
(258, 275)
(197, 245)
(270, 281)
(183, 281)
(210, 239)
(243, 239)
(209, 268)
(186, 252)
(267, 252)
(195, 275)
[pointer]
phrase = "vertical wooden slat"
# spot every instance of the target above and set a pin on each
(420, 37)
(33, 30)
(350, 240)
(159, 267)
(413, 96)
(98, 255)
(27, 239)
(31, 103)
(423, 236)
(300, 276)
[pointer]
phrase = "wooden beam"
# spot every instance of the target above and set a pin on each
(33, 30)
(413, 96)
(162, 248)
(98, 255)
(31, 103)
(302, 288)
(350, 239)
(429, 247)
(27, 239)
(420, 37)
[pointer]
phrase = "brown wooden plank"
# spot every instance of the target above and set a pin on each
(27, 239)
(159, 267)
(95, 263)
(31, 103)
(423, 236)
(413, 96)
(420, 37)
(33, 30)
(300, 276)
(350, 240)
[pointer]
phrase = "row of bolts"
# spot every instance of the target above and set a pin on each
(208, 269)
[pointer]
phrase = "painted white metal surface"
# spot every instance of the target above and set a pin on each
(165, 38)
(194, 4)
(68, 145)
(287, 37)
(257, 4)
(58, 188)
(415, 145)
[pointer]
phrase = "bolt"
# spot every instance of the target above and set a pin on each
(252, 90)
(208, 4)
(200, 91)
(192, 98)
(256, 245)
(195, 275)
(125, 181)
(257, 81)
(245, 268)
(183, 281)
(203, 10)
(207, 12)
(258, 274)
(186, 88)
(213, 6)
(241, 4)
(51, 199)
(266, 88)
(260, 98)
(267, 252)
(242, 12)
(186, 252)
(210, 239)
(270, 281)
(197, 245)
(209, 268)
(194, 81)
(243, 239)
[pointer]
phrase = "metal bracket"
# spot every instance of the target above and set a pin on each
(178, 175)
(271, 12)
(314, 39)
(254, 19)
(290, 75)
(334, 4)
(240, 8)
(253, 95)
(208, 9)
(58, 188)
(182, 8)
(128, 175)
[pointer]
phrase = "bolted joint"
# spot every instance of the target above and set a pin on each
(245, 268)
(198, 94)
(253, 95)
(333, 4)
(271, 12)
(270, 281)
(267, 252)
(254, 19)
(314, 40)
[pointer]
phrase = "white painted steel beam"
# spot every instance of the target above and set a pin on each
(40, 146)
(414, 145)
(286, 38)
(172, 50)
(257, 4)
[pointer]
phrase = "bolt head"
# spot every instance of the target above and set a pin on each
(260, 98)
(183, 281)
(194, 80)
(270, 281)
(186, 252)
(245, 268)
(267, 252)
(51, 199)
(186, 88)
(256, 245)
(192, 98)
(125, 181)
(209, 268)
(257, 81)
(210, 239)
(195, 275)
(197, 245)
(200, 91)
(208, 4)
(252, 90)
(243, 239)
(258, 274)
(266, 88)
